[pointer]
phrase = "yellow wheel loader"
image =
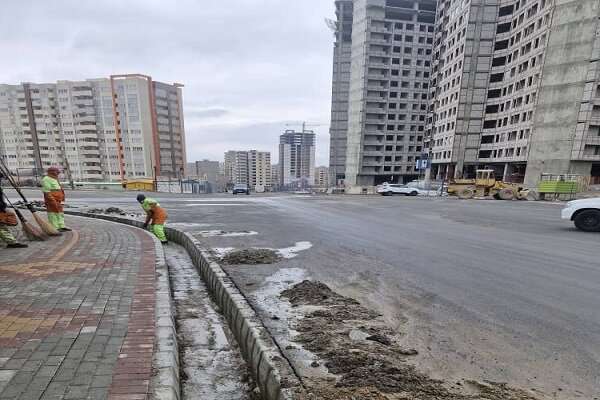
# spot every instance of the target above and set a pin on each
(485, 185)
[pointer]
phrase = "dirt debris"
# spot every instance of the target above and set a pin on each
(363, 353)
(251, 257)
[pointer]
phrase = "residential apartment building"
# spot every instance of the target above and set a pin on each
(108, 129)
(235, 167)
(516, 88)
(297, 158)
(259, 168)
(388, 50)
(252, 168)
(322, 177)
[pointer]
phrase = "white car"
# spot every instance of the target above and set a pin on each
(584, 213)
(411, 189)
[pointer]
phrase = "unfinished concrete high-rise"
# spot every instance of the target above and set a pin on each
(297, 158)
(342, 53)
(516, 88)
(382, 64)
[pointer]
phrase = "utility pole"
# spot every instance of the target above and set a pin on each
(68, 170)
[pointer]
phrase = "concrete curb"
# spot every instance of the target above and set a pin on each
(165, 383)
(270, 369)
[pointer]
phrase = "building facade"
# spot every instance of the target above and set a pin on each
(252, 168)
(108, 129)
(297, 158)
(390, 56)
(322, 177)
(275, 178)
(235, 167)
(515, 88)
(259, 168)
(342, 53)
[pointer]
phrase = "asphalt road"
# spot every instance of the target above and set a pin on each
(503, 291)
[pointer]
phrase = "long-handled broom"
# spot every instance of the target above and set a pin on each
(30, 230)
(43, 224)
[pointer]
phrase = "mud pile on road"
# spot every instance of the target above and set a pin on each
(363, 353)
(109, 210)
(251, 257)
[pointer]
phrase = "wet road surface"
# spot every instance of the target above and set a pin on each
(503, 291)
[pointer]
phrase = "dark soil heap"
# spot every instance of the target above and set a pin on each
(373, 368)
(251, 257)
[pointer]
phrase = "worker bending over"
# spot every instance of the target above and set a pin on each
(156, 216)
(7, 219)
(54, 197)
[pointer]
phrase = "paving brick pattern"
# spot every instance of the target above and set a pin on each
(78, 324)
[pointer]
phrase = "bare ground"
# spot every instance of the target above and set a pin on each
(364, 356)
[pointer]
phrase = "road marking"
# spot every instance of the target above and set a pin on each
(226, 234)
(214, 204)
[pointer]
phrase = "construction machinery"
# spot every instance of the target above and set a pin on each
(485, 185)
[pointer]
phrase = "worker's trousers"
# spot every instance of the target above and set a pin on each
(57, 220)
(6, 236)
(159, 232)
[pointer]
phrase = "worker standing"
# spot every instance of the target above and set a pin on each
(8, 219)
(54, 197)
(156, 216)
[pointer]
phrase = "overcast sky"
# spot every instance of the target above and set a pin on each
(249, 66)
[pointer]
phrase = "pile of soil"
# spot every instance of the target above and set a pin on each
(251, 257)
(35, 204)
(359, 348)
(109, 210)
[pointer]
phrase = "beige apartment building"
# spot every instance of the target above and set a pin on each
(107, 129)
(252, 168)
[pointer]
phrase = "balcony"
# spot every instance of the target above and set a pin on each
(373, 153)
(381, 42)
(380, 29)
(382, 54)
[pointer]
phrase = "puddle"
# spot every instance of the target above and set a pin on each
(212, 367)
(291, 252)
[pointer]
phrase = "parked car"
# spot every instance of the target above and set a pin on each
(584, 213)
(410, 189)
(241, 189)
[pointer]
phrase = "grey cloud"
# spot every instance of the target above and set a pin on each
(246, 64)
(208, 113)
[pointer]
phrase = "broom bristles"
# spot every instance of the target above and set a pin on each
(45, 226)
(32, 233)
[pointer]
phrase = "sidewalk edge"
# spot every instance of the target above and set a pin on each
(165, 383)
(270, 369)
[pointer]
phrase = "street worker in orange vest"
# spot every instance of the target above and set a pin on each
(156, 216)
(54, 197)
(8, 218)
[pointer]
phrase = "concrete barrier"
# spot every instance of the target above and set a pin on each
(272, 372)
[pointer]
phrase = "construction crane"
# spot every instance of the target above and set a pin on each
(305, 125)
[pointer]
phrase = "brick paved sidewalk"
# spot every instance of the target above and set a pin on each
(77, 315)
